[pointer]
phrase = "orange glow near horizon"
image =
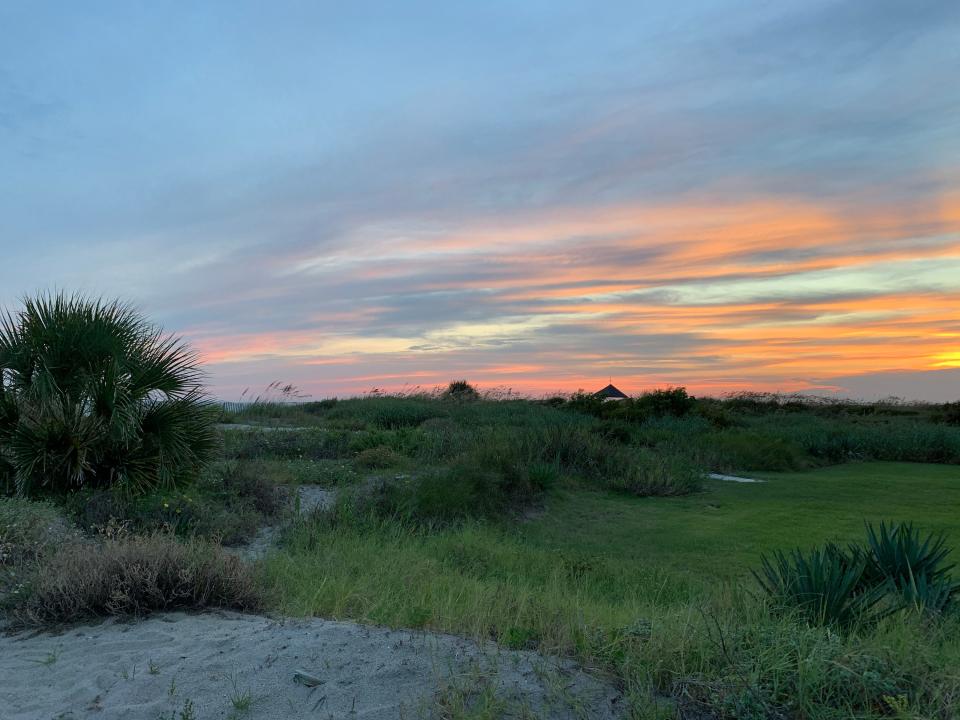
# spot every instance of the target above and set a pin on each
(760, 295)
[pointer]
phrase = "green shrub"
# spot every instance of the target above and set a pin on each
(733, 450)
(284, 444)
(385, 412)
(734, 663)
(229, 502)
(134, 576)
(824, 585)
(614, 432)
(831, 586)
(542, 475)
(461, 391)
(672, 401)
(914, 566)
(92, 395)
(649, 473)
(950, 413)
(377, 458)
(29, 531)
(454, 493)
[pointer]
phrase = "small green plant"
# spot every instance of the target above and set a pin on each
(153, 668)
(187, 712)
(50, 659)
(241, 700)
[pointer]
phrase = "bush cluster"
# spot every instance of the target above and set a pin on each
(228, 502)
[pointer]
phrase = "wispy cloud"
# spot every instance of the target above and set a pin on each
(723, 195)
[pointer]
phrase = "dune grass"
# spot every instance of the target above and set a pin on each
(653, 590)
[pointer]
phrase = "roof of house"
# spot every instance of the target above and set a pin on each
(610, 392)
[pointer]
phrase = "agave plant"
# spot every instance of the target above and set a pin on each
(91, 394)
(911, 564)
(823, 585)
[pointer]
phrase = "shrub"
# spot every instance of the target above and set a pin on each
(28, 528)
(831, 586)
(586, 403)
(385, 412)
(471, 486)
(672, 401)
(613, 432)
(824, 585)
(134, 576)
(377, 458)
(650, 473)
(914, 566)
(28, 531)
(312, 444)
(230, 501)
(454, 493)
(461, 391)
(950, 413)
(741, 450)
(92, 395)
(542, 475)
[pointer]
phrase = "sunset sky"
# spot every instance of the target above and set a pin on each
(537, 195)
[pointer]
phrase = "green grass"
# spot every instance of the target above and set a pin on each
(719, 534)
(651, 589)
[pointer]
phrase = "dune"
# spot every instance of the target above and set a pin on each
(229, 665)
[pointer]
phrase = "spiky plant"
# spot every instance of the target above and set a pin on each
(823, 585)
(92, 394)
(914, 565)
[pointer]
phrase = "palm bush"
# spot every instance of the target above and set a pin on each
(93, 395)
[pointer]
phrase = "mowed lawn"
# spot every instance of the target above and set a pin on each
(594, 558)
(720, 533)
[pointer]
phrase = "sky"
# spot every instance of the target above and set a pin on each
(541, 196)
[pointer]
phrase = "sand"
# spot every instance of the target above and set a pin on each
(733, 478)
(228, 665)
(310, 499)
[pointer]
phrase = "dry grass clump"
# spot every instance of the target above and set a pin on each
(134, 575)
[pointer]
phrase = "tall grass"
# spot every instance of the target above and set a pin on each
(716, 650)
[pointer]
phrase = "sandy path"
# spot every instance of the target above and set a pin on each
(310, 497)
(164, 664)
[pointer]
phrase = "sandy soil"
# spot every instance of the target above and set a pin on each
(733, 478)
(226, 665)
(311, 498)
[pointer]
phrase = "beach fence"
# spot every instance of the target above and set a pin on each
(235, 407)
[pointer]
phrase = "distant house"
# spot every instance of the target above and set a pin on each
(610, 393)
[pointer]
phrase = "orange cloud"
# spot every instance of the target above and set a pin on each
(766, 293)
